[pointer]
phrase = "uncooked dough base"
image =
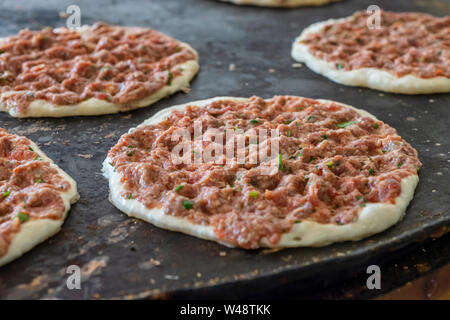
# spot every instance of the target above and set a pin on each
(373, 218)
(365, 77)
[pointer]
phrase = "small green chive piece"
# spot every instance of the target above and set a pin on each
(400, 165)
(371, 171)
(130, 196)
(298, 221)
(311, 118)
(375, 125)
(169, 81)
(23, 217)
(7, 193)
(330, 164)
(345, 124)
(179, 187)
(254, 194)
(39, 180)
(30, 148)
(339, 66)
(324, 137)
(254, 121)
(187, 204)
(280, 162)
(287, 121)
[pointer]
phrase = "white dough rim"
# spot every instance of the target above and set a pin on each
(373, 218)
(33, 232)
(275, 3)
(93, 106)
(365, 77)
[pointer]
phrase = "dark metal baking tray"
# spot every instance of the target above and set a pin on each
(115, 252)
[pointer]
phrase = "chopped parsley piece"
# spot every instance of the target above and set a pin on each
(375, 125)
(1, 51)
(311, 118)
(7, 193)
(345, 124)
(23, 217)
(358, 198)
(298, 221)
(324, 137)
(371, 171)
(130, 196)
(30, 148)
(39, 180)
(187, 204)
(254, 194)
(339, 66)
(330, 164)
(287, 121)
(400, 165)
(254, 121)
(312, 159)
(289, 133)
(37, 157)
(178, 188)
(169, 80)
(280, 162)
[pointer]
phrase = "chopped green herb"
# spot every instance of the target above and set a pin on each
(254, 194)
(339, 66)
(178, 188)
(288, 121)
(289, 133)
(130, 154)
(254, 121)
(30, 148)
(371, 171)
(330, 164)
(312, 159)
(280, 162)
(169, 81)
(305, 179)
(23, 217)
(1, 51)
(187, 204)
(111, 164)
(130, 196)
(311, 118)
(37, 157)
(130, 146)
(324, 137)
(375, 125)
(400, 165)
(298, 221)
(7, 193)
(358, 198)
(39, 180)
(345, 124)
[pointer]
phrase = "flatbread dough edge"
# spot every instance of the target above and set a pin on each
(374, 218)
(93, 106)
(275, 3)
(33, 232)
(365, 77)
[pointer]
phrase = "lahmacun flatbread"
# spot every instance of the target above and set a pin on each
(35, 196)
(281, 3)
(92, 70)
(409, 53)
(340, 174)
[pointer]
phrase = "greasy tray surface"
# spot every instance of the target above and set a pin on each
(115, 252)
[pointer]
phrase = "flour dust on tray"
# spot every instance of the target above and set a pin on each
(281, 172)
(407, 53)
(92, 70)
(35, 196)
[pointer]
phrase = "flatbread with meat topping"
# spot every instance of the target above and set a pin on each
(92, 70)
(281, 3)
(35, 196)
(340, 174)
(409, 54)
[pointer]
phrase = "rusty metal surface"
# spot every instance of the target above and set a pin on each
(127, 258)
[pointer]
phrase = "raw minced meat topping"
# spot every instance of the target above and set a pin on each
(29, 187)
(112, 63)
(405, 43)
(331, 163)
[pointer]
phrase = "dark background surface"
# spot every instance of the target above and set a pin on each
(115, 252)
